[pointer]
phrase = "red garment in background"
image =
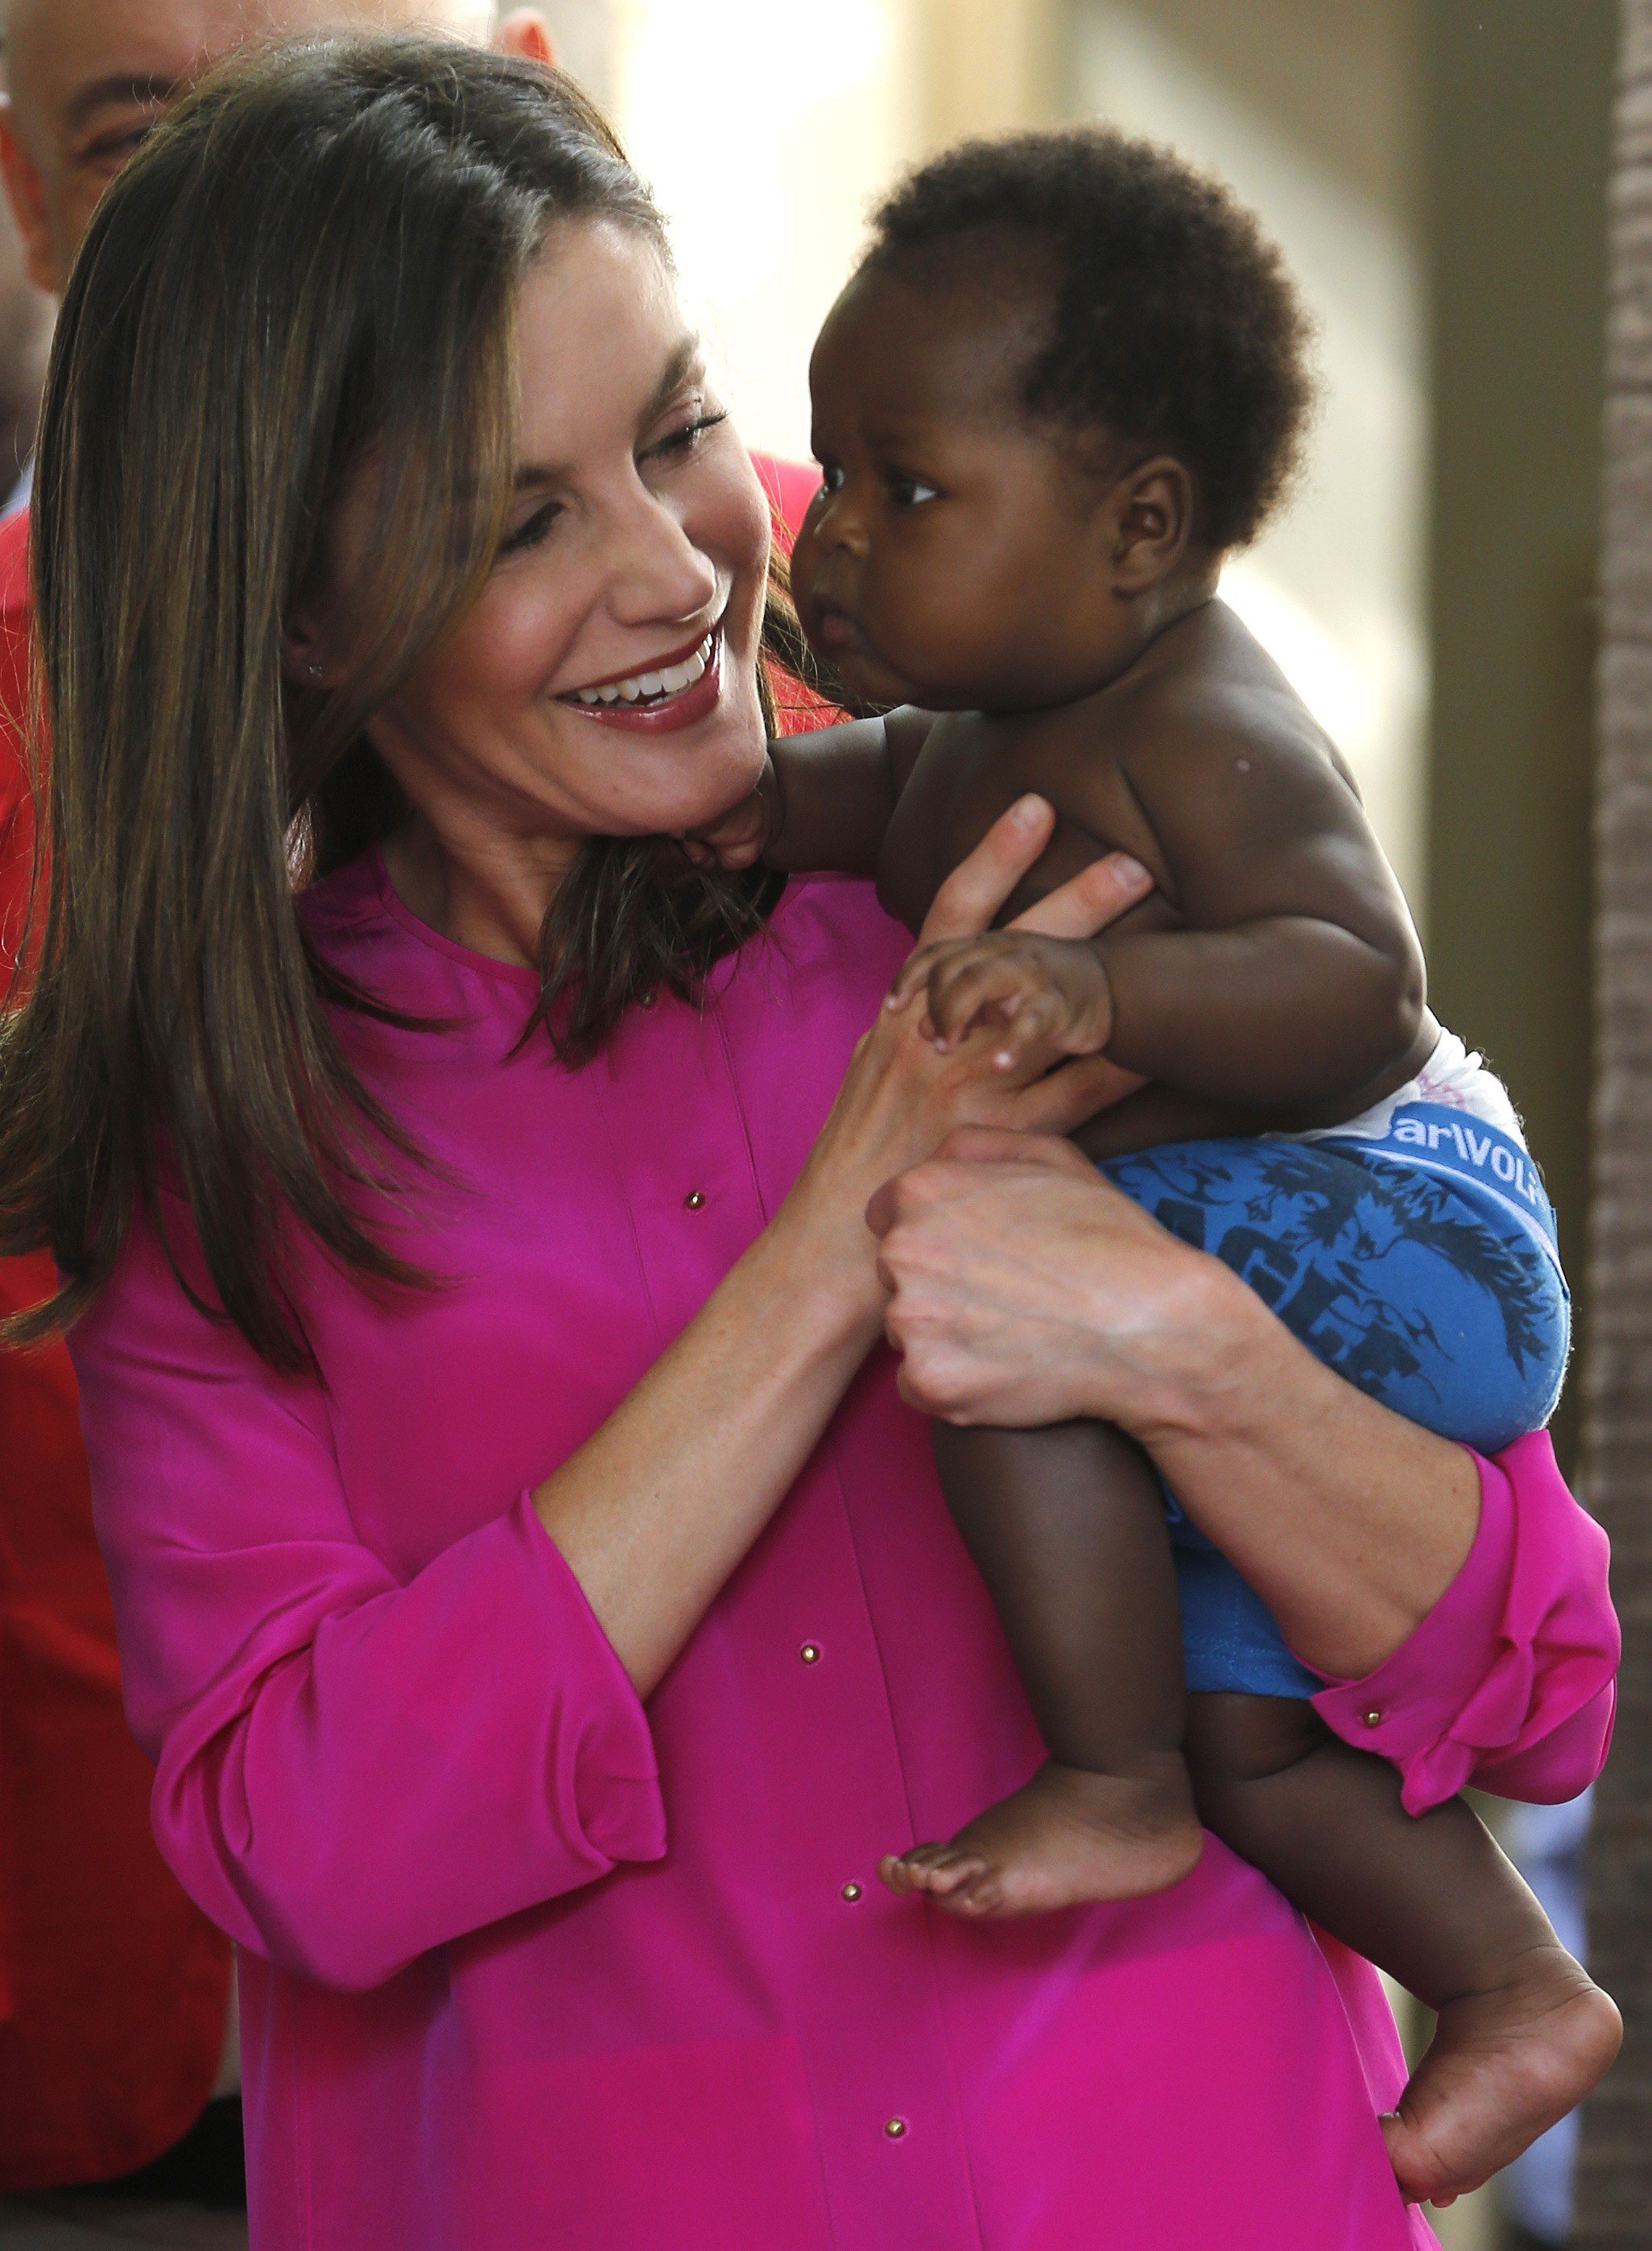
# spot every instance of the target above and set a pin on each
(114, 1987)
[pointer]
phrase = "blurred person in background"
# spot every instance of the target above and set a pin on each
(115, 2023)
(25, 338)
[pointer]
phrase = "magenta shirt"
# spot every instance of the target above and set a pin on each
(526, 1964)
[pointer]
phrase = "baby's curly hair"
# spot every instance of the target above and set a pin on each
(1175, 324)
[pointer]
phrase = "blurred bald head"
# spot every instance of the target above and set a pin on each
(88, 78)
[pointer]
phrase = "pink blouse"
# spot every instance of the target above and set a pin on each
(525, 1964)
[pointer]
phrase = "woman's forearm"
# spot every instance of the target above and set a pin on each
(1349, 1521)
(655, 1510)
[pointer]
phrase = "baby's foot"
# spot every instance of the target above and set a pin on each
(1069, 1836)
(1503, 2067)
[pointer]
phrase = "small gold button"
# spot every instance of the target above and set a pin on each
(1372, 1716)
(693, 1200)
(810, 1653)
(852, 1892)
(895, 2128)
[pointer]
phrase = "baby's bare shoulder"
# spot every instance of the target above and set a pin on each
(1217, 700)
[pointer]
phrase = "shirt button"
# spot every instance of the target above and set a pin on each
(852, 1892)
(895, 2128)
(1373, 1715)
(693, 1200)
(810, 1653)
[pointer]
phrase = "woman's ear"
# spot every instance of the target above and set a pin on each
(1150, 525)
(525, 32)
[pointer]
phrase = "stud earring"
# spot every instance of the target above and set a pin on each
(315, 669)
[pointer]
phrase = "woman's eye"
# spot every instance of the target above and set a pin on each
(908, 492)
(685, 441)
(532, 533)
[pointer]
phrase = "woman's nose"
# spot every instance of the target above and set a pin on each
(658, 570)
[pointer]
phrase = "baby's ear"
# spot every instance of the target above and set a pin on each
(1150, 514)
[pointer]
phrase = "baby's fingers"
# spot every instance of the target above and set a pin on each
(965, 988)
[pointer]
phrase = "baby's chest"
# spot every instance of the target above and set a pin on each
(972, 769)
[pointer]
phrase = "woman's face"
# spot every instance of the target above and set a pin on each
(636, 547)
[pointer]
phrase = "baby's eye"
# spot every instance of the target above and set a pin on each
(831, 476)
(908, 492)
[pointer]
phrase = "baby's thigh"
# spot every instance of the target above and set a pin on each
(1424, 1295)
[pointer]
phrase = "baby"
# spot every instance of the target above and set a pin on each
(1067, 378)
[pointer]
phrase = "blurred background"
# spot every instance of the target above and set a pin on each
(1435, 173)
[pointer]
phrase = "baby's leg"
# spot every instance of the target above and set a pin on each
(1523, 2033)
(1067, 1526)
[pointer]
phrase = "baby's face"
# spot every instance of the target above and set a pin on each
(955, 556)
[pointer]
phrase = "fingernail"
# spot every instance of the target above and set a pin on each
(1131, 870)
(1028, 809)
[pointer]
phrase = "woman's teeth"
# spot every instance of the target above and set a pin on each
(670, 680)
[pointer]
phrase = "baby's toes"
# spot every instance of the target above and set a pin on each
(980, 1892)
(937, 1869)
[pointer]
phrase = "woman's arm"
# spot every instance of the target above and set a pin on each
(355, 1766)
(1464, 1603)
(706, 1446)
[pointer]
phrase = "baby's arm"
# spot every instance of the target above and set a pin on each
(825, 797)
(1298, 977)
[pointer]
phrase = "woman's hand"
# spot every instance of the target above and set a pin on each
(901, 1097)
(1025, 1289)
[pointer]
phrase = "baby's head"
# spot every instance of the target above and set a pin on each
(1069, 374)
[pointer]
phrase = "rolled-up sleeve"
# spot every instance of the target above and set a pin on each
(1509, 1682)
(352, 1769)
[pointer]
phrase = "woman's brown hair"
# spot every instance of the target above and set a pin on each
(315, 261)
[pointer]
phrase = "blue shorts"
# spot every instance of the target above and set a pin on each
(1421, 1266)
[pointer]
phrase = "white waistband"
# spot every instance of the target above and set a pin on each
(1451, 1079)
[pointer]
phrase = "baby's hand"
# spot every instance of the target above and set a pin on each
(739, 837)
(1048, 992)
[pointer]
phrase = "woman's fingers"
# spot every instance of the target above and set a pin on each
(1089, 901)
(998, 1145)
(978, 886)
(1067, 1097)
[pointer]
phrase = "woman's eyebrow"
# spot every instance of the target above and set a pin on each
(683, 357)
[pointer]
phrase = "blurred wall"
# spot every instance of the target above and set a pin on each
(1517, 104)
(1308, 109)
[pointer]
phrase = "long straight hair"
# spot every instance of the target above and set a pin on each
(315, 261)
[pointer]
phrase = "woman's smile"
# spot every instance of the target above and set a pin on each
(675, 691)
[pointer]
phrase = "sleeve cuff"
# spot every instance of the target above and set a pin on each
(1508, 1681)
(1406, 1709)
(602, 1777)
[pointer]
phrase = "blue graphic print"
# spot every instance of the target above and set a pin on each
(1422, 1267)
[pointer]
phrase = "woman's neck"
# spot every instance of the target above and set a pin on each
(490, 894)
